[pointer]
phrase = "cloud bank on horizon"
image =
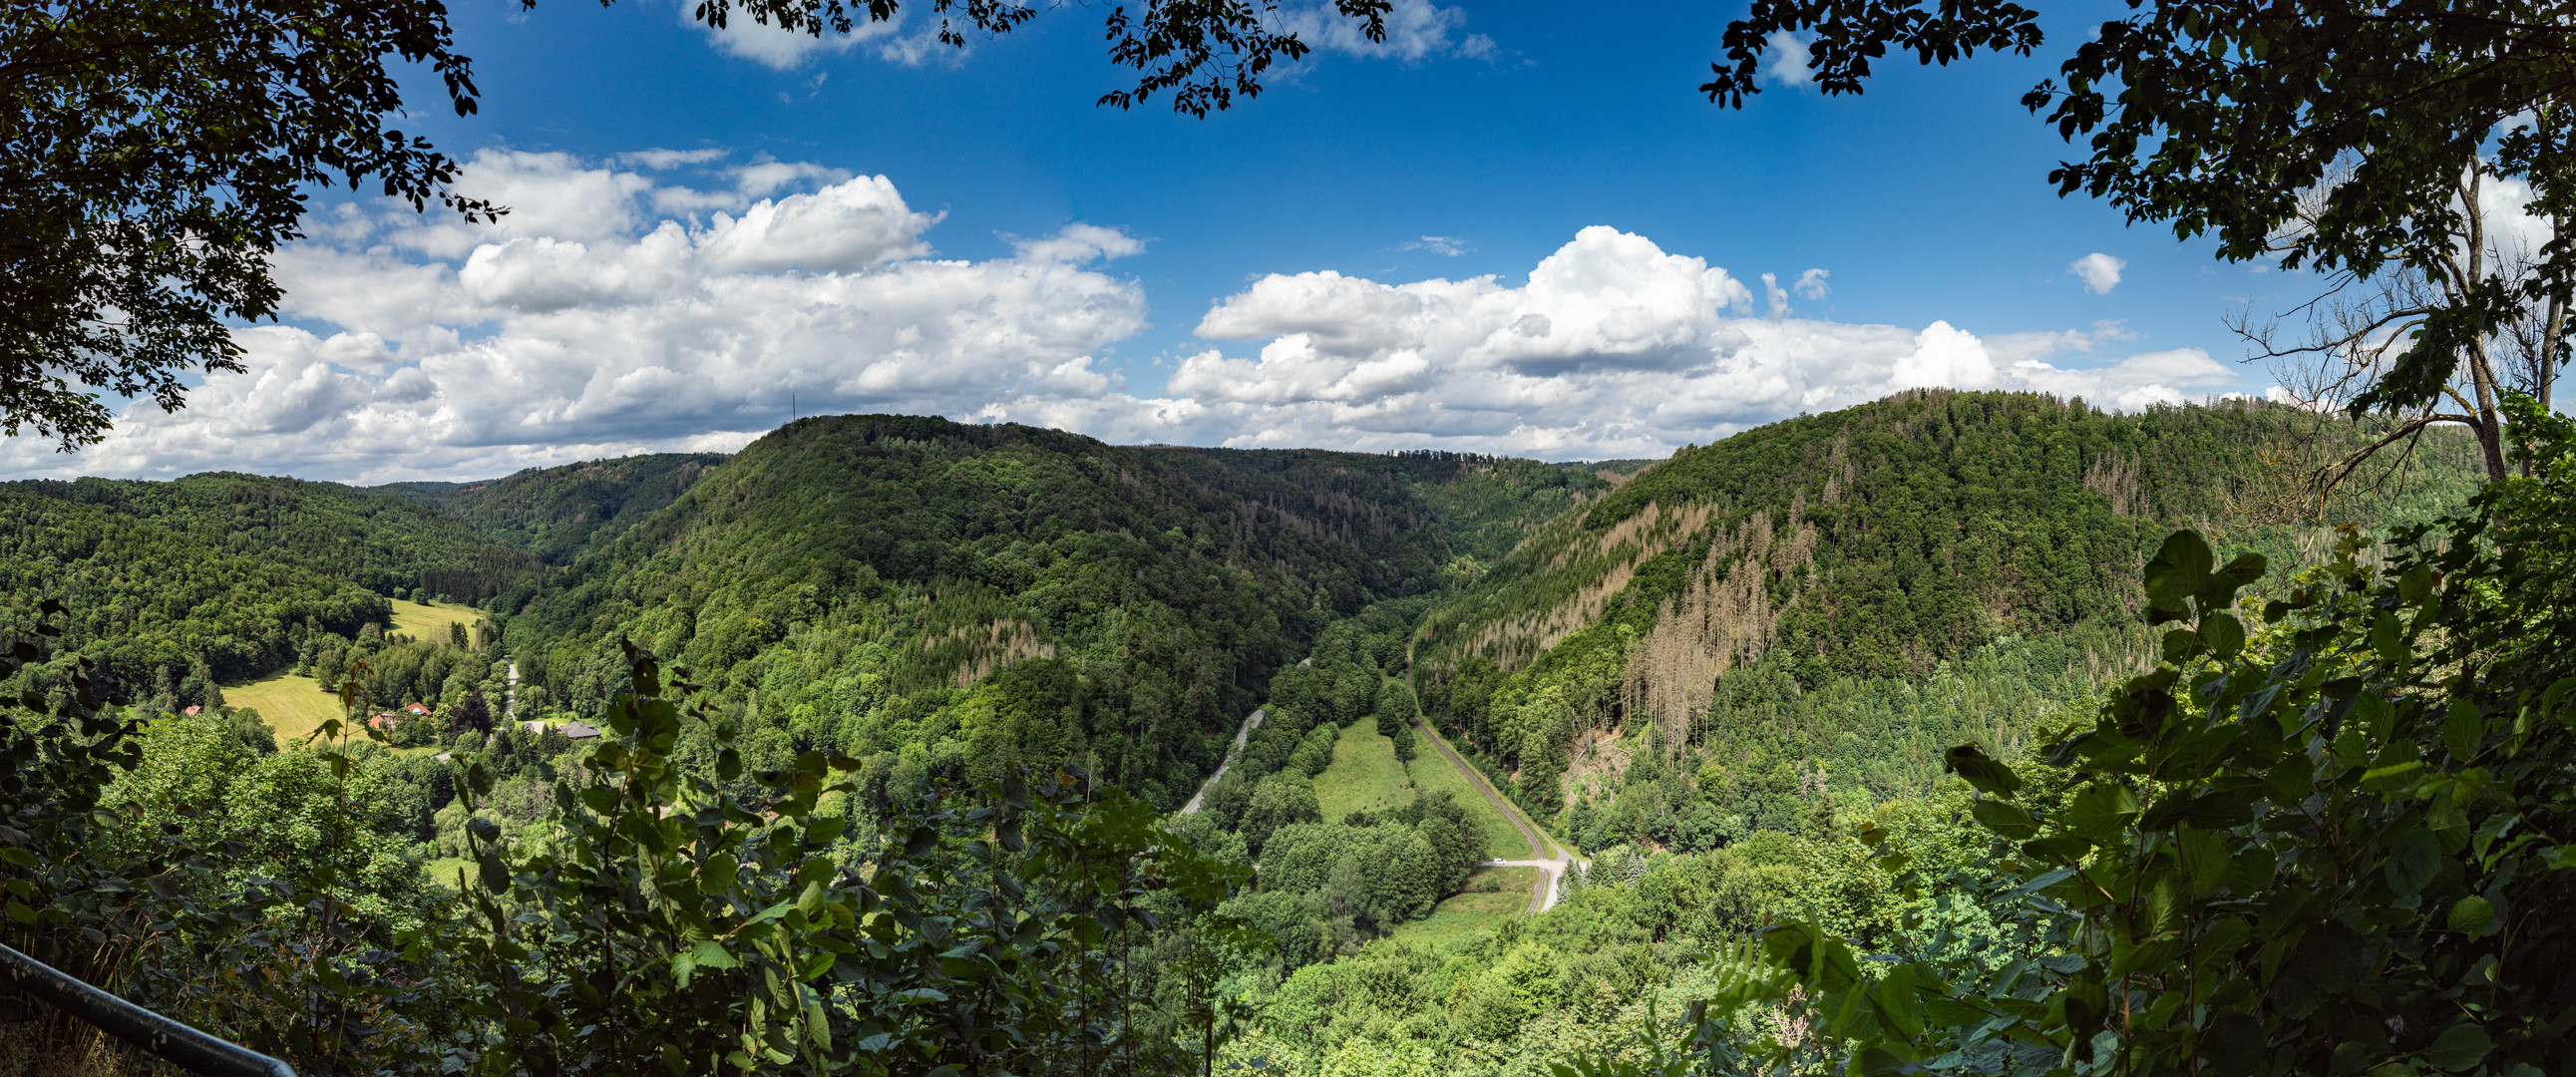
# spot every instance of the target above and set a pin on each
(669, 300)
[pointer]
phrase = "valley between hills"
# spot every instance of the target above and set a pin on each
(1527, 740)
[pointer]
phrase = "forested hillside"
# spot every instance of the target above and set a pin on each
(388, 544)
(1817, 608)
(950, 597)
(558, 513)
(924, 664)
(163, 611)
(175, 587)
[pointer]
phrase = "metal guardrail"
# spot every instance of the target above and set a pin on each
(182, 1045)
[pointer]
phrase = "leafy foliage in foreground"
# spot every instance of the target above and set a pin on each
(267, 911)
(670, 925)
(684, 928)
(154, 155)
(2336, 845)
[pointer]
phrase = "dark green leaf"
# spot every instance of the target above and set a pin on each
(2413, 858)
(2179, 570)
(2386, 639)
(1981, 771)
(2101, 812)
(1875, 1061)
(2471, 916)
(2004, 819)
(2086, 1005)
(2224, 634)
(2462, 729)
(2233, 1045)
(2203, 856)
(2460, 1047)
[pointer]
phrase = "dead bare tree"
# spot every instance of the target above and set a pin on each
(2484, 293)
(2535, 339)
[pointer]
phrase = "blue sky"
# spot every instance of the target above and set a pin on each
(1926, 197)
(1301, 270)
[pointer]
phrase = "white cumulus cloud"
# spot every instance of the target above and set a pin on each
(677, 307)
(1785, 59)
(1612, 347)
(781, 49)
(1416, 30)
(2099, 272)
(587, 324)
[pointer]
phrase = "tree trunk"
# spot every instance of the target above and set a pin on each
(2482, 380)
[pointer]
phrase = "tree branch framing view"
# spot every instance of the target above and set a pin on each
(154, 155)
(1955, 724)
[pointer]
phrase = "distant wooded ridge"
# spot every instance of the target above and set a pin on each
(1170, 582)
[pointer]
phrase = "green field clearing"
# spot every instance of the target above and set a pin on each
(442, 870)
(1432, 773)
(429, 620)
(1364, 774)
(1430, 750)
(1470, 912)
(293, 706)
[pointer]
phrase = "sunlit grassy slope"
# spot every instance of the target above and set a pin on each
(429, 620)
(294, 706)
(1432, 773)
(1473, 911)
(442, 870)
(1364, 774)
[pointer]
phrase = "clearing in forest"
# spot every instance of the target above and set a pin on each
(1364, 774)
(1472, 911)
(443, 870)
(429, 620)
(293, 706)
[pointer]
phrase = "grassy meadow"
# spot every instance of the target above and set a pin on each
(429, 620)
(1433, 773)
(442, 870)
(293, 706)
(1364, 774)
(1473, 911)
(1512, 845)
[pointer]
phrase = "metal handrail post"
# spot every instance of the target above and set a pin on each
(183, 1045)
